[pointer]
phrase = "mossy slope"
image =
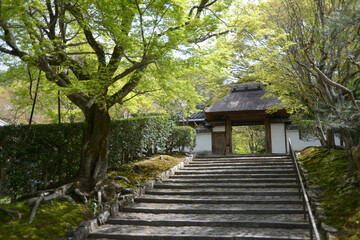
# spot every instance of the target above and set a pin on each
(340, 195)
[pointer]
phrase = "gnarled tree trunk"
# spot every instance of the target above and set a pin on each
(356, 155)
(95, 151)
(353, 154)
(330, 138)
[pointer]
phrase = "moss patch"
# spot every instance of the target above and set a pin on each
(52, 220)
(57, 218)
(140, 172)
(340, 197)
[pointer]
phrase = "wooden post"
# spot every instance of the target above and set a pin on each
(268, 135)
(286, 140)
(228, 136)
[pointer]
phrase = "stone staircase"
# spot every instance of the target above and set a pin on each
(237, 197)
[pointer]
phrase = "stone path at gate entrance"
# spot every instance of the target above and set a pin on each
(238, 197)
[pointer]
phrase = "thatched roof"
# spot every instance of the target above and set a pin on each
(244, 97)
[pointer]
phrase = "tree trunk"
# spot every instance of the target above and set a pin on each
(94, 157)
(355, 151)
(352, 153)
(330, 138)
(322, 136)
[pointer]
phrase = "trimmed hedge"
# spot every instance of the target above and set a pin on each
(133, 138)
(31, 157)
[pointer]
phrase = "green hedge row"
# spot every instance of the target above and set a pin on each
(31, 157)
(134, 137)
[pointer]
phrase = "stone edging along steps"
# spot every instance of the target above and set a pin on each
(83, 230)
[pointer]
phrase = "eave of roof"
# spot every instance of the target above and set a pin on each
(244, 99)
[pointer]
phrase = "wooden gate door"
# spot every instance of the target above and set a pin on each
(218, 143)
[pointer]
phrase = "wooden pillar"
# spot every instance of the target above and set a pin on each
(268, 135)
(286, 140)
(228, 149)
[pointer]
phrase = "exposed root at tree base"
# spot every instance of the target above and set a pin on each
(105, 193)
(11, 212)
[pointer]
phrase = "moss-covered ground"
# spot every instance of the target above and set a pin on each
(340, 195)
(55, 219)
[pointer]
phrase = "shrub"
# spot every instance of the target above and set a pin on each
(181, 137)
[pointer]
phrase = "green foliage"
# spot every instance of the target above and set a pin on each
(103, 54)
(181, 137)
(307, 130)
(340, 196)
(248, 139)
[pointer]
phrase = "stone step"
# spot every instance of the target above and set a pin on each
(234, 161)
(164, 215)
(238, 176)
(252, 197)
(202, 212)
(231, 180)
(227, 191)
(241, 157)
(235, 166)
(201, 208)
(223, 193)
(209, 223)
(279, 202)
(219, 185)
(131, 232)
(245, 159)
(231, 171)
(229, 197)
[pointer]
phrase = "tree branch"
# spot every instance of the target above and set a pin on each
(11, 212)
(8, 38)
(128, 87)
(330, 82)
(76, 12)
(129, 70)
(209, 35)
(139, 93)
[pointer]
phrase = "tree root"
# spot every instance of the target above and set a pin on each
(11, 212)
(35, 208)
(119, 178)
(59, 193)
(102, 195)
(82, 195)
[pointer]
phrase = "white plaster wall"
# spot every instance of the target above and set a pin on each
(203, 142)
(299, 144)
(278, 137)
(219, 129)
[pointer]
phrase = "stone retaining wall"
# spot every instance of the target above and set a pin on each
(313, 191)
